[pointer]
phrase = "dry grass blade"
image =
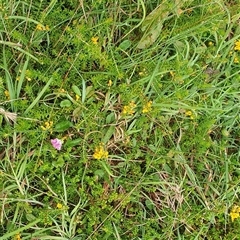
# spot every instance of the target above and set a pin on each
(8, 115)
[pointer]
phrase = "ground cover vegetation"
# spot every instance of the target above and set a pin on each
(119, 119)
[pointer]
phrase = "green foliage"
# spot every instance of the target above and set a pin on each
(145, 99)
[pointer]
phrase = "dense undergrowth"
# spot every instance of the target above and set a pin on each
(144, 101)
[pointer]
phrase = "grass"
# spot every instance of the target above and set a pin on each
(143, 102)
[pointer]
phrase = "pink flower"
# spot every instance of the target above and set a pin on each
(56, 143)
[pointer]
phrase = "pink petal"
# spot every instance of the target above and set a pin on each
(56, 143)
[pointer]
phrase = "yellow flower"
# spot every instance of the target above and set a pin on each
(95, 40)
(6, 92)
(41, 27)
(237, 45)
(142, 73)
(129, 109)
(147, 107)
(234, 216)
(172, 73)
(189, 114)
(47, 125)
(100, 152)
(110, 83)
(17, 236)
(210, 44)
(236, 60)
(77, 97)
(235, 213)
(59, 206)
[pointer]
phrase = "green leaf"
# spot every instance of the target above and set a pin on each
(107, 169)
(77, 113)
(110, 118)
(125, 45)
(39, 95)
(72, 143)
(152, 25)
(65, 103)
(108, 134)
(99, 173)
(59, 163)
(30, 217)
(63, 126)
(149, 204)
(76, 90)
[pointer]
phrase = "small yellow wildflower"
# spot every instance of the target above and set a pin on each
(143, 72)
(7, 94)
(236, 60)
(29, 79)
(210, 44)
(172, 73)
(235, 213)
(100, 152)
(47, 125)
(95, 40)
(110, 83)
(237, 45)
(17, 236)
(41, 27)
(147, 107)
(77, 97)
(62, 90)
(129, 109)
(234, 216)
(59, 206)
(189, 114)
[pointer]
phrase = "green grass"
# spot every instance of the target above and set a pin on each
(145, 99)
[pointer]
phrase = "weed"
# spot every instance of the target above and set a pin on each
(119, 120)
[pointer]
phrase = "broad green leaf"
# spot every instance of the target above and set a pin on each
(30, 217)
(77, 113)
(110, 118)
(63, 126)
(76, 90)
(125, 45)
(72, 143)
(108, 134)
(65, 103)
(152, 25)
(99, 173)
